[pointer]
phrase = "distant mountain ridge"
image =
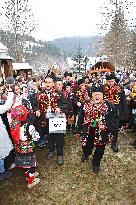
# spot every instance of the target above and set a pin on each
(68, 45)
(41, 53)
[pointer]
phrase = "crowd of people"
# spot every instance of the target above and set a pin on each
(96, 109)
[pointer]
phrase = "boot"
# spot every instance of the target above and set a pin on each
(32, 181)
(12, 166)
(96, 169)
(36, 174)
(60, 160)
(50, 154)
(114, 147)
(134, 145)
(84, 158)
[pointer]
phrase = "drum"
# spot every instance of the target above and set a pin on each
(57, 123)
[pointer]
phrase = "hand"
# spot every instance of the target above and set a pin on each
(102, 127)
(57, 111)
(38, 113)
(79, 104)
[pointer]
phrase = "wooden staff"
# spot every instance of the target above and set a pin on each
(3, 74)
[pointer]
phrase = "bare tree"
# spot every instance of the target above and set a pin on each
(20, 21)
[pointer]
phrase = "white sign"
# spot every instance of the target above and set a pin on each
(57, 124)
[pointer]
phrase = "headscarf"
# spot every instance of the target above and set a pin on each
(18, 115)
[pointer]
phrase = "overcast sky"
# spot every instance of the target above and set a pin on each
(62, 18)
(59, 18)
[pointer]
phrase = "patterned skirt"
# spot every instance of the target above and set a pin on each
(25, 160)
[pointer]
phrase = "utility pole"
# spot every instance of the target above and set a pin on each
(86, 59)
(115, 33)
(78, 57)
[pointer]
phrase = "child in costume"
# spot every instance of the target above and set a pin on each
(24, 135)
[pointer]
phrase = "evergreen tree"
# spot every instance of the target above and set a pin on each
(78, 57)
(133, 46)
(117, 40)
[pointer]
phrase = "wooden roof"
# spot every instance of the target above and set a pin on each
(21, 66)
(102, 67)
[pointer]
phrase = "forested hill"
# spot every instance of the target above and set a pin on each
(35, 52)
(48, 52)
(68, 45)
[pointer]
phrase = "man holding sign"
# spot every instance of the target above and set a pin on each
(52, 104)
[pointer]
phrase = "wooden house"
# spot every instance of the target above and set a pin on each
(101, 67)
(5, 62)
(22, 69)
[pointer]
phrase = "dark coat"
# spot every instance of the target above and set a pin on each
(111, 121)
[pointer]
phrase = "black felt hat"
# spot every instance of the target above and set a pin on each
(80, 81)
(67, 74)
(57, 79)
(51, 75)
(110, 76)
(98, 88)
(68, 84)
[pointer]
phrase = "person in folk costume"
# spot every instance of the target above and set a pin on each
(81, 94)
(33, 98)
(24, 135)
(86, 79)
(51, 102)
(116, 95)
(63, 102)
(73, 82)
(96, 121)
(69, 78)
(6, 144)
(31, 102)
(132, 111)
(66, 104)
(71, 116)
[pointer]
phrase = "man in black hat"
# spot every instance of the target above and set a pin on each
(97, 119)
(116, 95)
(51, 102)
